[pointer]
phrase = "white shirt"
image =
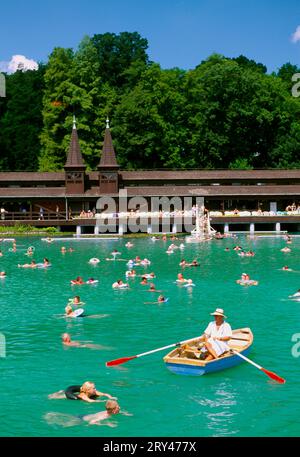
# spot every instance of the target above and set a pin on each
(213, 332)
(223, 331)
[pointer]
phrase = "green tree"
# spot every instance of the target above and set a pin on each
(21, 120)
(61, 98)
(149, 127)
(116, 54)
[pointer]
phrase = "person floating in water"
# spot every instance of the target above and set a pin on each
(86, 392)
(66, 340)
(76, 301)
(32, 264)
(112, 408)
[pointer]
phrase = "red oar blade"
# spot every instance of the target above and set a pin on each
(111, 363)
(273, 376)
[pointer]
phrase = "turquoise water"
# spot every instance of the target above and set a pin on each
(241, 401)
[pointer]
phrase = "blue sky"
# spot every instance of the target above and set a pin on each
(180, 33)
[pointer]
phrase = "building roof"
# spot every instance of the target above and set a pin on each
(232, 175)
(31, 176)
(215, 191)
(108, 156)
(158, 191)
(74, 158)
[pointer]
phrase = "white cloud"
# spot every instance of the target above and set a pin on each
(18, 62)
(296, 35)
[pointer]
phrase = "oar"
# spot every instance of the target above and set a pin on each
(126, 359)
(271, 375)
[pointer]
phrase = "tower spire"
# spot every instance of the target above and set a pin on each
(108, 157)
(74, 158)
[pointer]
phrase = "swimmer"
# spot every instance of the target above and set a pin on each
(1, 253)
(120, 285)
(295, 295)
(286, 268)
(130, 274)
(29, 251)
(2, 274)
(92, 281)
(194, 263)
(286, 249)
(87, 392)
(148, 275)
(115, 253)
(66, 340)
(246, 281)
(69, 311)
(68, 420)
(77, 281)
(144, 282)
(32, 264)
(182, 263)
(75, 301)
(129, 245)
(153, 289)
(161, 299)
(46, 262)
(94, 260)
(237, 248)
(181, 246)
(145, 262)
(111, 408)
(63, 250)
(180, 278)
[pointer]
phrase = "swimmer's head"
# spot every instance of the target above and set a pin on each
(66, 338)
(88, 388)
(112, 407)
(68, 309)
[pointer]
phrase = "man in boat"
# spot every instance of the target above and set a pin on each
(215, 337)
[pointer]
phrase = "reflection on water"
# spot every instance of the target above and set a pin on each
(219, 410)
(63, 420)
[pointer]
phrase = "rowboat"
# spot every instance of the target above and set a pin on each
(185, 360)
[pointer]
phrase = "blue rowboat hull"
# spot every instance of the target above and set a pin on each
(210, 367)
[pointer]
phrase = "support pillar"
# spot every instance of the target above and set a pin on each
(121, 229)
(78, 230)
(96, 230)
(226, 228)
(252, 227)
(277, 227)
(174, 228)
(149, 228)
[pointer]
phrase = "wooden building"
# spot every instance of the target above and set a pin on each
(65, 194)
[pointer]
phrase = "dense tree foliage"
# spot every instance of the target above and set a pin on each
(21, 120)
(225, 113)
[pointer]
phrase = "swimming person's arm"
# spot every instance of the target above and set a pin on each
(84, 397)
(102, 394)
